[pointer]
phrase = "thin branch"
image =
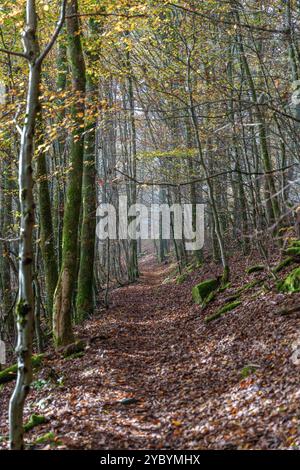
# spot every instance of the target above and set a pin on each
(202, 180)
(230, 23)
(55, 34)
(9, 240)
(281, 113)
(17, 54)
(15, 120)
(98, 13)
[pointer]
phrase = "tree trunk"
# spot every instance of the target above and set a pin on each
(84, 299)
(62, 311)
(25, 306)
(46, 226)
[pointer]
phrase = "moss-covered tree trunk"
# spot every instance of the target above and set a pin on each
(60, 147)
(84, 299)
(62, 310)
(46, 225)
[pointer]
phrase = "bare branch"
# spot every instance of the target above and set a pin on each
(98, 13)
(9, 240)
(55, 34)
(230, 23)
(17, 54)
(202, 180)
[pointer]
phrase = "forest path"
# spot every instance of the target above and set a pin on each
(185, 375)
(156, 376)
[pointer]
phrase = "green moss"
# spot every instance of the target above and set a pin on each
(285, 262)
(49, 436)
(211, 296)
(225, 275)
(225, 286)
(202, 290)
(293, 250)
(226, 308)
(291, 283)
(10, 373)
(248, 370)
(34, 420)
(22, 310)
(181, 278)
(39, 384)
(229, 306)
(255, 269)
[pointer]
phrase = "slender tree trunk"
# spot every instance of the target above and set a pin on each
(133, 260)
(211, 195)
(272, 200)
(6, 222)
(25, 306)
(46, 226)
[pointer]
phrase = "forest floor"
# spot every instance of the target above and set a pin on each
(156, 376)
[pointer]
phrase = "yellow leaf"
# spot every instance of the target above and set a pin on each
(176, 423)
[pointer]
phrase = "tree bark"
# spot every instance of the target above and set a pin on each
(25, 306)
(62, 310)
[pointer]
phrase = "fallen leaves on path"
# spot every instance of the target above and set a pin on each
(161, 378)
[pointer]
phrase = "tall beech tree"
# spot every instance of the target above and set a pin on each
(84, 298)
(62, 310)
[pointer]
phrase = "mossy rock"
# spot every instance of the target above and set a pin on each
(10, 373)
(285, 262)
(34, 420)
(255, 269)
(291, 283)
(201, 291)
(226, 308)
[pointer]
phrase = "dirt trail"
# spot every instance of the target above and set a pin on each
(180, 378)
